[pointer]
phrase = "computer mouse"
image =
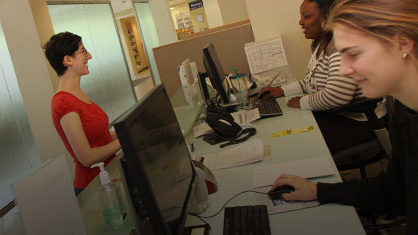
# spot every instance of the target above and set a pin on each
(264, 93)
(277, 192)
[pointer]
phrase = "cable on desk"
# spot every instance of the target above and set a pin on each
(195, 215)
(223, 206)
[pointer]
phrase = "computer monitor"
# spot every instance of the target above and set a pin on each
(157, 169)
(215, 72)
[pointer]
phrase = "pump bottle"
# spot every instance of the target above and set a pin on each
(110, 199)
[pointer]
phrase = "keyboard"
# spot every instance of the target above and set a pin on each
(267, 108)
(246, 220)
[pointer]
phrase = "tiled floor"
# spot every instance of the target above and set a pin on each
(143, 83)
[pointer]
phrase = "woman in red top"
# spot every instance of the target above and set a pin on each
(81, 124)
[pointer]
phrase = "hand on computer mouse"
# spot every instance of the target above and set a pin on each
(278, 191)
(304, 189)
(270, 92)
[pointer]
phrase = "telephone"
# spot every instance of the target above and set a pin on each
(222, 122)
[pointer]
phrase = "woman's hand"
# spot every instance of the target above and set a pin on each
(294, 102)
(273, 92)
(304, 189)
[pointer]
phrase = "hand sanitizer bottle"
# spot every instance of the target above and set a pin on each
(110, 199)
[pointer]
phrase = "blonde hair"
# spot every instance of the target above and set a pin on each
(382, 19)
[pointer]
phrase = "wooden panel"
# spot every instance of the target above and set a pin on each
(229, 43)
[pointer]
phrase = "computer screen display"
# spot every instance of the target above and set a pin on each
(158, 169)
(215, 72)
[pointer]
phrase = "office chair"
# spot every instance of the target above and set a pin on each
(359, 156)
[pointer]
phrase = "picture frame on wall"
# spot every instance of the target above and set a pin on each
(199, 18)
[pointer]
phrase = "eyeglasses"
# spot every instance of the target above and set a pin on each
(84, 51)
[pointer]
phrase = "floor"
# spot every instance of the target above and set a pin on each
(373, 170)
(143, 83)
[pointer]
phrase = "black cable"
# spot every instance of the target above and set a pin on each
(223, 206)
(195, 215)
(236, 140)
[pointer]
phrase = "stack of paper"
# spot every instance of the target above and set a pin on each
(246, 153)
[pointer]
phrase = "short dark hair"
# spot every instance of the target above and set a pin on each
(58, 47)
(324, 5)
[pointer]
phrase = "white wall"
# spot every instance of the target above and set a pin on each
(270, 18)
(213, 13)
(233, 10)
(32, 74)
(220, 12)
(163, 22)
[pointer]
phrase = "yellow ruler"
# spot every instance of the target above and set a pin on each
(294, 131)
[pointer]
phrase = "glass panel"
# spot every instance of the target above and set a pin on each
(108, 83)
(18, 152)
(149, 33)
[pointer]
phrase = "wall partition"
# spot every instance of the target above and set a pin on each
(18, 152)
(149, 34)
(109, 83)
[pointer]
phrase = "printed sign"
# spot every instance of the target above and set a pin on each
(195, 5)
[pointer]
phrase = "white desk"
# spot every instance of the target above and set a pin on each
(324, 219)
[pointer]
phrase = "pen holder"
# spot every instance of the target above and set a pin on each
(239, 83)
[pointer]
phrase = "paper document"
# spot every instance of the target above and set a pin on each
(245, 153)
(309, 168)
(46, 200)
(278, 206)
(265, 55)
(201, 129)
(244, 117)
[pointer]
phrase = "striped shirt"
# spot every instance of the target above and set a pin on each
(323, 86)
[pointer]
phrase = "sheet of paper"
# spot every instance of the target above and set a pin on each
(201, 129)
(265, 55)
(242, 154)
(309, 168)
(279, 206)
(47, 202)
(244, 117)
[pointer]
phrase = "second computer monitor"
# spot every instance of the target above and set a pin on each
(215, 72)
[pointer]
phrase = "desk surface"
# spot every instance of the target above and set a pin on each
(324, 219)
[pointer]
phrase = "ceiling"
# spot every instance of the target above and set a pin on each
(121, 5)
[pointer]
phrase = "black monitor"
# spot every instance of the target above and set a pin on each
(157, 168)
(215, 72)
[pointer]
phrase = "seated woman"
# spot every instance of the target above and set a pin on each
(378, 41)
(323, 87)
(81, 124)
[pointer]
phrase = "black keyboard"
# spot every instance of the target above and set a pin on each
(246, 220)
(267, 108)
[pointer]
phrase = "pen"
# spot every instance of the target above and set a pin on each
(274, 78)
